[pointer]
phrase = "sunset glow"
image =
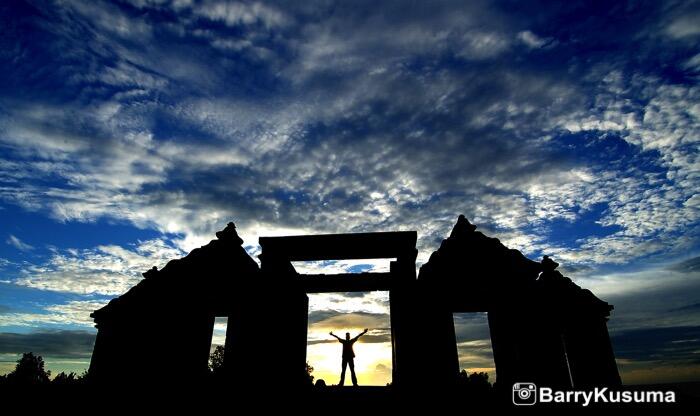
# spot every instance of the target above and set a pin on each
(328, 312)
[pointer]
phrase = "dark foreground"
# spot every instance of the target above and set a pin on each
(125, 399)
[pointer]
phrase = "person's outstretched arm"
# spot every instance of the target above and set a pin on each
(334, 335)
(360, 334)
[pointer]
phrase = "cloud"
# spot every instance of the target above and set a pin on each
(368, 338)
(371, 338)
(650, 298)
(333, 117)
(668, 344)
(219, 334)
(471, 327)
(381, 368)
(356, 320)
(18, 244)
(61, 343)
(326, 305)
(346, 168)
(343, 266)
(691, 307)
(321, 322)
(532, 40)
(107, 270)
(687, 266)
(476, 356)
(72, 313)
(684, 26)
(235, 14)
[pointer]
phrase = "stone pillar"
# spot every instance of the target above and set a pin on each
(101, 354)
(237, 366)
(440, 355)
(402, 312)
(543, 350)
(280, 325)
(506, 356)
(590, 353)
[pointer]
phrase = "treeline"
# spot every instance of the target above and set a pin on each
(30, 371)
(476, 385)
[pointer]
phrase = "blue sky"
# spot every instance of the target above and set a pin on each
(130, 131)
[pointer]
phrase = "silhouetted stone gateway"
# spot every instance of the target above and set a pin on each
(544, 328)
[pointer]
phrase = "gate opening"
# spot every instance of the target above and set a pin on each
(350, 312)
(474, 344)
(216, 349)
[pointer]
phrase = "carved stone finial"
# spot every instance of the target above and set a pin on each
(463, 227)
(229, 234)
(548, 264)
(150, 273)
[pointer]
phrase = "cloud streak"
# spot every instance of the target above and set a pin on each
(63, 344)
(18, 244)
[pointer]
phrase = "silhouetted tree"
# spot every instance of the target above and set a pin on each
(216, 365)
(479, 379)
(216, 360)
(475, 386)
(29, 371)
(63, 379)
(86, 377)
(309, 370)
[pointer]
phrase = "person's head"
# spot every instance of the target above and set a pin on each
(347, 335)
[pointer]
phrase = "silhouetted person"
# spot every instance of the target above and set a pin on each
(348, 356)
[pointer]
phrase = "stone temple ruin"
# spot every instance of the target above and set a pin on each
(544, 328)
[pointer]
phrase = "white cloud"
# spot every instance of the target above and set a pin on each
(532, 40)
(67, 314)
(108, 270)
(111, 19)
(337, 150)
(693, 63)
(649, 207)
(238, 13)
(342, 266)
(684, 26)
(374, 303)
(18, 244)
(482, 45)
(124, 74)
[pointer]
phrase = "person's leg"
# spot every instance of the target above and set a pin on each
(342, 373)
(351, 363)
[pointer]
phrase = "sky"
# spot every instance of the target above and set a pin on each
(131, 131)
